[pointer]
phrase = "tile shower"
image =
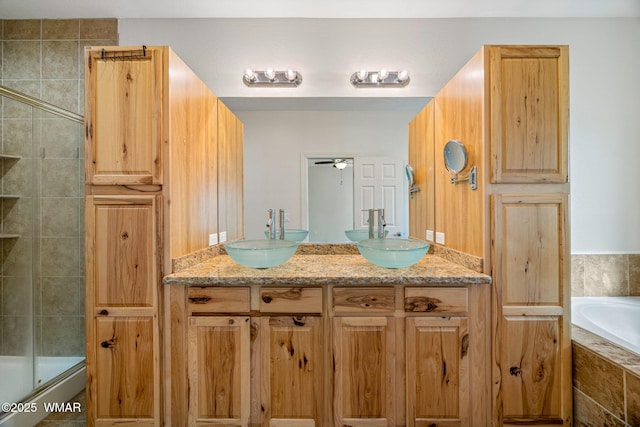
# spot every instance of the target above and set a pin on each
(42, 264)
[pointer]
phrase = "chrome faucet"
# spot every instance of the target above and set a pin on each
(370, 222)
(381, 223)
(281, 224)
(271, 224)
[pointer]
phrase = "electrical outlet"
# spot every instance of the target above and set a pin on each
(429, 235)
(223, 236)
(213, 239)
(286, 217)
(440, 238)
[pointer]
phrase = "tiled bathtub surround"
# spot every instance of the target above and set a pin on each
(606, 382)
(44, 59)
(605, 275)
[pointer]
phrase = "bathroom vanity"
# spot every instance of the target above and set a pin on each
(327, 340)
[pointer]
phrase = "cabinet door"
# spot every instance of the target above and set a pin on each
(364, 350)
(124, 116)
(122, 287)
(126, 357)
(122, 259)
(437, 371)
(529, 105)
(532, 370)
(291, 382)
(219, 371)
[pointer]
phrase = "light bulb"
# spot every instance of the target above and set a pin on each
(403, 76)
(382, 75)
(361, 75)
(270, 74)
(291, 74)
(249, 75)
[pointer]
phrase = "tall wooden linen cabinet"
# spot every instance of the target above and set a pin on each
(509, 106)
(163, 172)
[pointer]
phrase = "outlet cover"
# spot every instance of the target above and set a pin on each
(440, 238)
(213, 239)
(223, 236)
(429, 235)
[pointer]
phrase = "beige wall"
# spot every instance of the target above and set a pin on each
(44, 59)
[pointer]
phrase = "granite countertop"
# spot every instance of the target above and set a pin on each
(308, 270)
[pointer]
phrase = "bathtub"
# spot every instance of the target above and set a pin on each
(616, 319)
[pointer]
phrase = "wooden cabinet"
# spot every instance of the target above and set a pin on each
(122, 291)
(529, 114)
(151, 196)
(438, 358)
(334, 356)
(124, 116)
(291, 359)
(364, 355)
(219, 371)
(509, 105)
(531, 307)
(438, 392)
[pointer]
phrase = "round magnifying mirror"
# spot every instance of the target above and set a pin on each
(409, 171)
(455, 156)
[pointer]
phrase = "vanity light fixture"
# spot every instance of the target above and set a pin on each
(382, 78)
(272, 78)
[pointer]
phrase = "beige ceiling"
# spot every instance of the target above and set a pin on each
(24, 9)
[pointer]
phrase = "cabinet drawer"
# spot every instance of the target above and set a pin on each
(364, 300)
(291, 300)
(218, 300)
(436, 300)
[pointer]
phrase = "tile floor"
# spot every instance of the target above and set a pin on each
(67, 419)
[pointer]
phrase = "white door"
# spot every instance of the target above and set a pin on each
(379, 183)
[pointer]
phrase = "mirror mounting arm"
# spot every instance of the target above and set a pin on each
(472, 178)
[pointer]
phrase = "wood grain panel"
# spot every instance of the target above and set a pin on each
(125, 363)
(436, 300)
(123, 118)
(364, 378)
(291, 300)
(531, 370)
(218, 300)
(364, 300)
(459, 113)
(421, 158)
(191, 190)
(230, 173)
(531, 233)
(529, 113)
(437, 357)
(218, 371)
(125, 262)
(292, 363)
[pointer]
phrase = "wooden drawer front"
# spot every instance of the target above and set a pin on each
(364, 300)
(218, 300)
(436, 300)
(291, 300)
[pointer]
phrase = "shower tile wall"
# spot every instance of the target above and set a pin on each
(605, 275)
(44, 59)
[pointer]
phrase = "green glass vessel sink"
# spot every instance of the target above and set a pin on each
(291, 234)
(357, 235)
(261, 253)
(393, 253)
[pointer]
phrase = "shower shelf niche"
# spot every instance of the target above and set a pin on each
(9, 196)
